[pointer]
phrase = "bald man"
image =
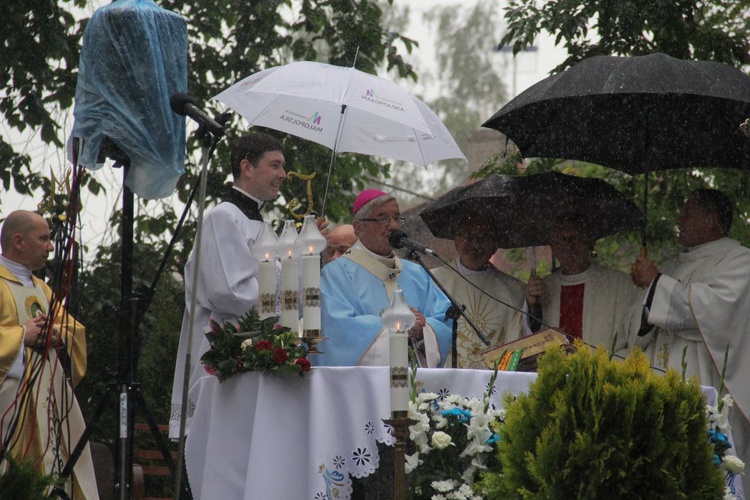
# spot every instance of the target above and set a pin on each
(340, 239)
(39, 416)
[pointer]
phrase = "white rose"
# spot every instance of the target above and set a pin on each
(734, 464)
(246, 344)
(441, 440)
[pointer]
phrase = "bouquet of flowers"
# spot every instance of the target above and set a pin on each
(718, 428)
(452, 442)
(250, 344)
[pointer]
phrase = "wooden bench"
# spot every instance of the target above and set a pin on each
(149, 463)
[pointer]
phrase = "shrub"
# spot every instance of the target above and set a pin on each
(592, 427)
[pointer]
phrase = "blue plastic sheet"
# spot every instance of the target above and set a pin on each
(134, 57)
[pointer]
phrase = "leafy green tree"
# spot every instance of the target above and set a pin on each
(687, 29)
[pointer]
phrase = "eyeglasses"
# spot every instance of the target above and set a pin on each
(383, 220)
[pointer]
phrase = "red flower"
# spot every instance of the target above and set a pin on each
(277, 326)
(279, 355)
(210, 369)
(264, 345)
(303, 363)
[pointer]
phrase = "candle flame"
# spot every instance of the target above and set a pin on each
(398, 326)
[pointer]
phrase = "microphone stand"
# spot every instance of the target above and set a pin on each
(454, 312)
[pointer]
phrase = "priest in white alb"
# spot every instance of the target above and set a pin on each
(357, 287)
(586, 300)
(699, 304)
(492, 298)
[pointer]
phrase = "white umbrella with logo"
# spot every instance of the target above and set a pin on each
(343, 109)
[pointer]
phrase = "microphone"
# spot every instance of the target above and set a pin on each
(398, 239)
(185, 105)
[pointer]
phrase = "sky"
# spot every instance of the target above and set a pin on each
(527, 69)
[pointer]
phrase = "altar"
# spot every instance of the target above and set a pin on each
(261, 436)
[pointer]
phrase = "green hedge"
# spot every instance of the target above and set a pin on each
(593, 427)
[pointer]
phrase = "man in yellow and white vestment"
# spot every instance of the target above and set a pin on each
(40, 419)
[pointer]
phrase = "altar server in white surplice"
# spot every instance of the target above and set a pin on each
(227, 282)
(583, 299)
(356, 288)
(700, 302)
(491, 297)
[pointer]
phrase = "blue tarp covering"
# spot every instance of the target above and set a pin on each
(134, 57)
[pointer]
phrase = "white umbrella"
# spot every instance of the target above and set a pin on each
(344, 109)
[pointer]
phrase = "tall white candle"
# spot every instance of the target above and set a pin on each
(311, 294)
(264, 249)
(311, 243)
(289, 293)
(266, 288)
(398, 343)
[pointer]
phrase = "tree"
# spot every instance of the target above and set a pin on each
(464, 88)
(687, 29)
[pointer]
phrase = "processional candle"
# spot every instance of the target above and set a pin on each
(264, 249)
(398, 319)
(312, 242)
(286, 248)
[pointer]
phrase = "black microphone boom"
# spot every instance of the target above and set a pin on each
(185, 105)
(398, 239)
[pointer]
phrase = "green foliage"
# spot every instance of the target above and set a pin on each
(21, 481)
(709, 30)
(591, 426)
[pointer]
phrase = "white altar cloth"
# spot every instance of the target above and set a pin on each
(262, 436)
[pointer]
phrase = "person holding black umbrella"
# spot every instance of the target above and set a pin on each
(587, 301)
(698, 306)
(492, 298)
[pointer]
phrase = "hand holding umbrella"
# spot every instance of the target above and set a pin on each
(643, 271)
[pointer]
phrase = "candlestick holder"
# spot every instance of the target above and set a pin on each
(400, 423)
(312, 338)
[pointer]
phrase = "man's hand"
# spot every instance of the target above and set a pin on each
(35, 334)
(643, 271)
(417, 331)
(322, 224)
(536, 290)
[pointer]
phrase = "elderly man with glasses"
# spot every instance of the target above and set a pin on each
(357, 287)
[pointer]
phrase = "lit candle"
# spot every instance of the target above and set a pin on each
(287, 251)
(397, 319)
(264, 249)
(311, 243)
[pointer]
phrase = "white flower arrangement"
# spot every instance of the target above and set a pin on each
(453, 442)
(718, 430)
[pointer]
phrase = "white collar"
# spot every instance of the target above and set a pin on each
(465, 271)
(388, 261)
(577, 279)
(20, 271)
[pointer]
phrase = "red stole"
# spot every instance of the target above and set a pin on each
(571, 309)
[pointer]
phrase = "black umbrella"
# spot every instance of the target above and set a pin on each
(634, 114)
(521, 210)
